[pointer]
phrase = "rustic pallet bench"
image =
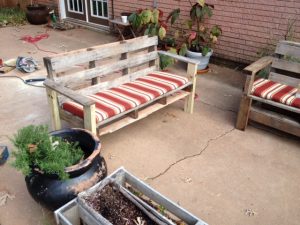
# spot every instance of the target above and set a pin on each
(92, 80)
(274, 101)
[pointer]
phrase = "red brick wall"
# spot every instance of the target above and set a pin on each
(52, 4)
(248, 25)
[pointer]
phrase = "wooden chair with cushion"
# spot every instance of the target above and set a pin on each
(273, 101)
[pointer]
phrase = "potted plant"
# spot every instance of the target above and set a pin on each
(37, 13)
(201, 41)
(57, 165)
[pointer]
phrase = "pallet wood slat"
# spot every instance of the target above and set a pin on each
(275, 120)
(189, 101)
(279, 105)
(116, 82)
(64, 60)
(54, 107)
(286, 65)
(85, 101)
(101, 71)
(127, 69)
(90, 118)
(283, 79)
(288, 48)
(258, 65)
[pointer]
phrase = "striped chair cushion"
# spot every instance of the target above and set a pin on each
(129, 95)
(277, 92)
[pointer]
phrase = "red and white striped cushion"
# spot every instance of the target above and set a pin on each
(129, 95)
(277, 92)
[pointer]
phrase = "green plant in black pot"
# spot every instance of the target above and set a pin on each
(36, 149)
(58, 165)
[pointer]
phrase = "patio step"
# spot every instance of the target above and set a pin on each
(92, 26)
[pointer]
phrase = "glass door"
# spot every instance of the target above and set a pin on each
(75, 9)
(98, 11)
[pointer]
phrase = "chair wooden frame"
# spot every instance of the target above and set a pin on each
(282, 70)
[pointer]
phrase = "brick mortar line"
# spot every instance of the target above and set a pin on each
(191, 156)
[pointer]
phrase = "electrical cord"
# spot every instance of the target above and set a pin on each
(28, 81)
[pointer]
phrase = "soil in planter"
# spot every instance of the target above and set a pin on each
(116, 208)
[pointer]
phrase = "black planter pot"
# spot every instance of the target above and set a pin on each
(37, 14)
(51, 192)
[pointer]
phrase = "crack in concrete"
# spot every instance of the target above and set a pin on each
(190, 156)
(217, 107)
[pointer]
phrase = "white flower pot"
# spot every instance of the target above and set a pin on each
(203, 60)
(124, 19)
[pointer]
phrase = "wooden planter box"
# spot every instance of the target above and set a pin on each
(78, 210)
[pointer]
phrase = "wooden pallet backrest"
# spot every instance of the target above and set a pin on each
(83, 70)
(286, 64)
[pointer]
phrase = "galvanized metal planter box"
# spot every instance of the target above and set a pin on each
(82, 211)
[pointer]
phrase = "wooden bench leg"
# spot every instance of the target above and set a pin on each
(243, 115)
(54, 108)
(189, 101)
(90, 118)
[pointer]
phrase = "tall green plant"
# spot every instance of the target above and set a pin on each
(203, 39)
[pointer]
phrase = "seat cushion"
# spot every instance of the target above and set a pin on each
(277, 92)
(129, 95)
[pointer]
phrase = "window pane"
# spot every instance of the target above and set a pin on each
(94, 8)
(99, 8)
(80, 6)
(71, 4)
(105, 9)
(75, 5)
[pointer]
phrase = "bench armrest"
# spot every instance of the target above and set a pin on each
(179, 57)
(76, 97)
(253, 69)
(258, 65)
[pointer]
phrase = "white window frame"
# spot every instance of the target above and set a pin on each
(92, 12)
(73, 11)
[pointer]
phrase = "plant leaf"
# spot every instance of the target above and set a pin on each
(183, 50)
(146, 16)
(201, 2)
(189, 24)
(174, 15)
(173, 50)
(135, 20)
(199, 12)
(205, 50)
(176, 34)
(155, 16)
(216, 31)
(162, 32)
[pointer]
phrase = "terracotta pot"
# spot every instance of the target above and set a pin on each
(50, 191)
(37, 14)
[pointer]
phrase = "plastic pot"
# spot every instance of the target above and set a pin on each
(203, 60)
(50, 191)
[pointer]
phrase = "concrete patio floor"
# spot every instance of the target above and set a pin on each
(200, 161)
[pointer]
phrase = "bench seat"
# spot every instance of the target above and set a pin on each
(271, 90)
(130, 95)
